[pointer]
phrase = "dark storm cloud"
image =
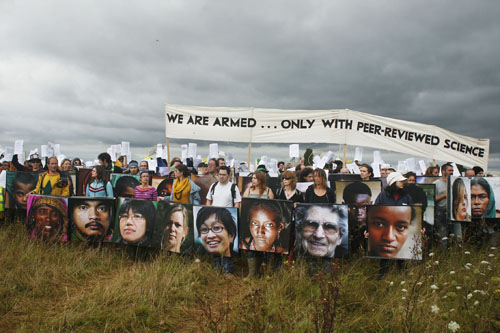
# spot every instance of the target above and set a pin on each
(100, 72)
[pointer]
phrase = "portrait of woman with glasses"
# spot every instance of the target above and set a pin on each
(321, 230)
(216, 229)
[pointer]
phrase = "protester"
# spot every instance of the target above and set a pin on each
(258, 189)
(319, 192)
(99, 185)
(184, 189)
(432, 171)
(366, 172)
(145, 191)
(105, 161)
(53, 181)
(394, 194)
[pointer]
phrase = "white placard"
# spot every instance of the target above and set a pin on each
(60, 158)
(125, 148)
(411, 164)
(318, 162)
(159, 150)
(376, 169)
(184, 152)
(192, 150)
(152, 164)
(456, 172)
(3, 179)
(213, 150)
(57, 149)
(353, 168)
(164, 153)
(423, 167)
(89, 164)
(377, 157)
(18, 147)
(330, 156)
(358, 154)
(44, 151)
(9, 152)
(294, 150)
(401, 166)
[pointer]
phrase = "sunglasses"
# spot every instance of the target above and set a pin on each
(287, 178)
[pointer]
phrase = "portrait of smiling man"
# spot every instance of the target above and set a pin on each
(91, 219)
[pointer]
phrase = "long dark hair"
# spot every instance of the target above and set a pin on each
(146, 209)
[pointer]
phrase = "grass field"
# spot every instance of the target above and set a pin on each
(73, 287)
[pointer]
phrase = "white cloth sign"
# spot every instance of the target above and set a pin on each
(324, 126)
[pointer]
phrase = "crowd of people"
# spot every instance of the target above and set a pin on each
(380, 226)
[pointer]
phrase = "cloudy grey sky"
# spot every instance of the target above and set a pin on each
(88, 74)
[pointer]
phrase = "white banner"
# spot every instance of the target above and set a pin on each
(324, 126)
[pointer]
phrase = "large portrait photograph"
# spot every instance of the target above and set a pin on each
(18, 185)
(321, 230)
(135, 222)
(357, 195)
(394, 232)
(91, 218)
(124, 185)
(216, 230)
(265, 225)
(174, 227)
(163, 186)
(459, 199)
(47, 218)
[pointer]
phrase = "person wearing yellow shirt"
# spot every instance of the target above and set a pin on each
(53, 181)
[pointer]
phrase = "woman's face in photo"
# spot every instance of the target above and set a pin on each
(215, 238)
(461, 205)
(265, 228)
(435, 172)
(47, 222)
(175, 232)
(132, 226)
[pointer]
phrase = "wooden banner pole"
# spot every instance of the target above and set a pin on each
(249, 153)
(168, 151)
(345, 155)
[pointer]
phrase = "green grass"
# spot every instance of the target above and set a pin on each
(73, 287)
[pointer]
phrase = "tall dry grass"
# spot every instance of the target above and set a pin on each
(74, 287)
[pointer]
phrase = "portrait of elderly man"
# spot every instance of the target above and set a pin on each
(394, 232)
(321, 230)
(91, 219)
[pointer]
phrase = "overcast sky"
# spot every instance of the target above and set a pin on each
(88, 74)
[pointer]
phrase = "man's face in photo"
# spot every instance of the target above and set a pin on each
(143, 166)
(92, 218)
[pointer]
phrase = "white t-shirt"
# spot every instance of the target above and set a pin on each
(222, 195)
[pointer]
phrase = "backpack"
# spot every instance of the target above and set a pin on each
(233, 190)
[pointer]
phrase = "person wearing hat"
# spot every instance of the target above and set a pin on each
(133, 168)
(394, 194)
(34, 164)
